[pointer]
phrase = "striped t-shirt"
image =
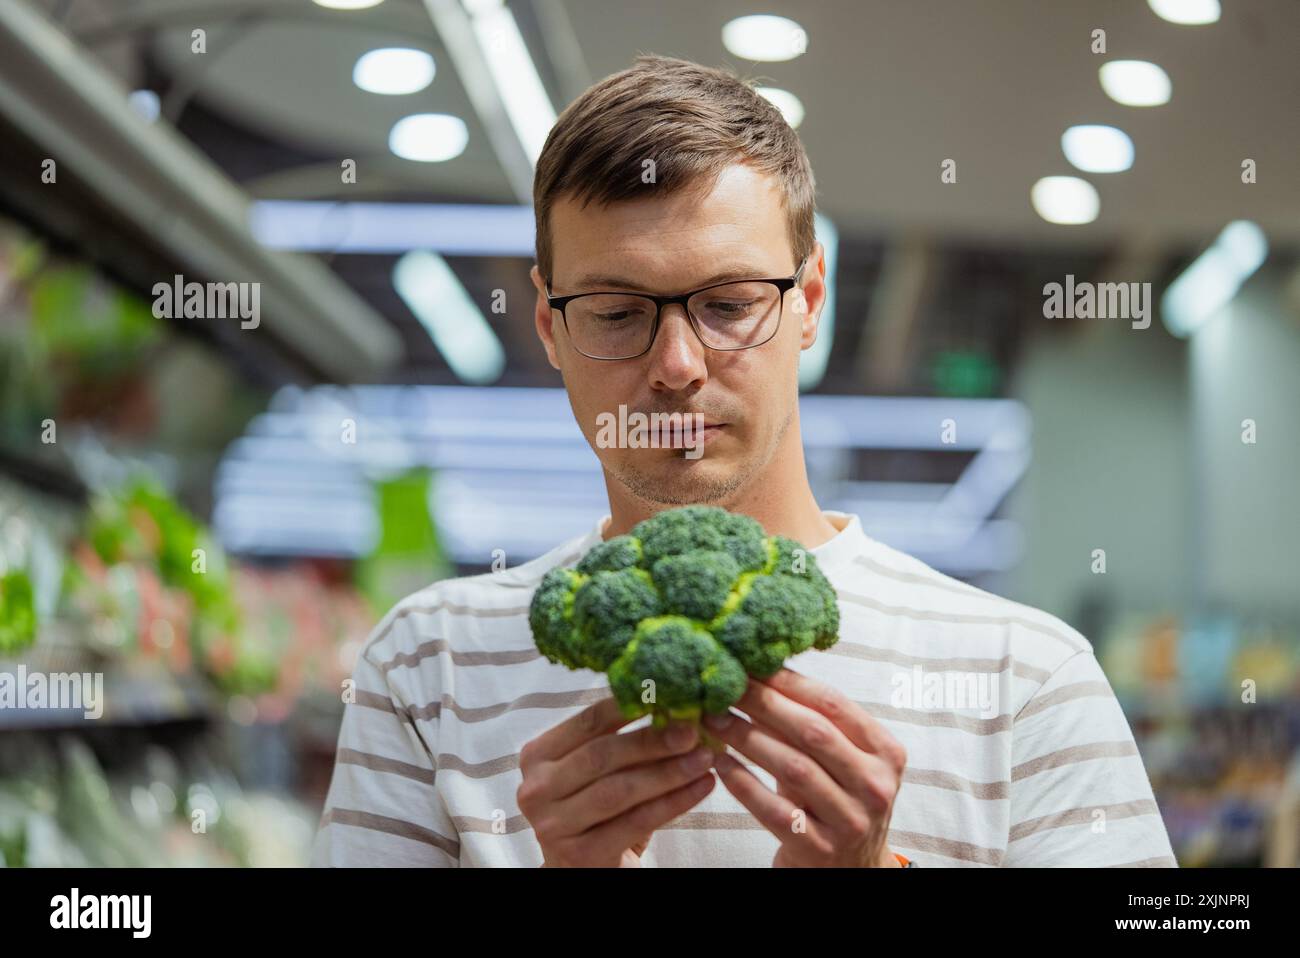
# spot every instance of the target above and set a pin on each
(1017, 750)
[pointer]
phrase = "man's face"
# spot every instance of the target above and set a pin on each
(668, 245)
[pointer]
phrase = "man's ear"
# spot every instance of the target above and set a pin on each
(813, 284)
(543, 316)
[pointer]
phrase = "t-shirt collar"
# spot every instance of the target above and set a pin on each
(849, 541)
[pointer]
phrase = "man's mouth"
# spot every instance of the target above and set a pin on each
(710, 432)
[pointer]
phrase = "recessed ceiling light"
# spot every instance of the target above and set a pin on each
(393, 71)
(348, 4)
(764, 37)
(428, 137)
(1067, 200)
(1189, 12)
(791, 106)
(1135, 82)
(1098, 149)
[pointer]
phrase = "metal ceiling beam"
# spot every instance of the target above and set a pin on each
(187, 14)
(886, 346)
(150, 176)
(457, 32)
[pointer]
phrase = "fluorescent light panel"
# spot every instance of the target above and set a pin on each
(514, 74)
(456, 229)
(433, 293)
(1214, 278)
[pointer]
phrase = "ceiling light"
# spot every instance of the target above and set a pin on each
(1214, 277)
(791, 106)
(1135, 82)
(764, 37)
(450, 316)
(393, 71)
(1098, 149)
(428, 137)
(145, 103)
(1188, 12)
(1067, 200)
(513, 73)
(456, 229)
(348, 4)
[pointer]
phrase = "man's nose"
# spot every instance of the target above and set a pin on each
(677, 358)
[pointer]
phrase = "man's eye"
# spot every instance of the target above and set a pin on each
(614, 317)
(731, 309)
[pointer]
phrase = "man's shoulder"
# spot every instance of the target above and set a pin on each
(894, 582)
(482, 602)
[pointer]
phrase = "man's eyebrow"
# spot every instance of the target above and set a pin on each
(609, 281)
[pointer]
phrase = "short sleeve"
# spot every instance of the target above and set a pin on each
(1080, 795)
(383, 805)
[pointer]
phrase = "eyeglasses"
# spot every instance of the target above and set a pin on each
(726, 316)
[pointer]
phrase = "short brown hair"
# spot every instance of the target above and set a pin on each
(693, 121)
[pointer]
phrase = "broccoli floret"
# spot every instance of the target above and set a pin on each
(702, 528)
(696, 584)
(687, 605)
(620, 552)
(674, 666)
(550, 616)
(606, 611)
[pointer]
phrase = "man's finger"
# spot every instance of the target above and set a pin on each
(805, 775)
(790, 823)
(815, 736)
(596, 719)
(629, 829)
(863, 730)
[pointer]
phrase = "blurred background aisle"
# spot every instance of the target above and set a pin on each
(214, 512)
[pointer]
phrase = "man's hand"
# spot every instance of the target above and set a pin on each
(837, 771)
(594, 796)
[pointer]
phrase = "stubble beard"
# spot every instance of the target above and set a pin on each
(688, 486)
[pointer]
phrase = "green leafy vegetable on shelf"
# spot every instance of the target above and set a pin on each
(680, 611)
(13, 847)
(17, 613)
(77, 318)
(144, 523)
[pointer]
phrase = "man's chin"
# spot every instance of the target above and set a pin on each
(676, 480)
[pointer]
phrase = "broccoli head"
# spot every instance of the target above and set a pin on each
(682, 609)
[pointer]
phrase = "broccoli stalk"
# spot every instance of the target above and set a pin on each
(682, 610)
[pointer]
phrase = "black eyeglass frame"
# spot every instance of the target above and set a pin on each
(783, 285)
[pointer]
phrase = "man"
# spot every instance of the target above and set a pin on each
(465, 747)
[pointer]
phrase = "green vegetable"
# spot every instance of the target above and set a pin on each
(17, 613)
(683, 609)
(143, 523)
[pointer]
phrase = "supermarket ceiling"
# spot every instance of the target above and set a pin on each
(890, 89)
